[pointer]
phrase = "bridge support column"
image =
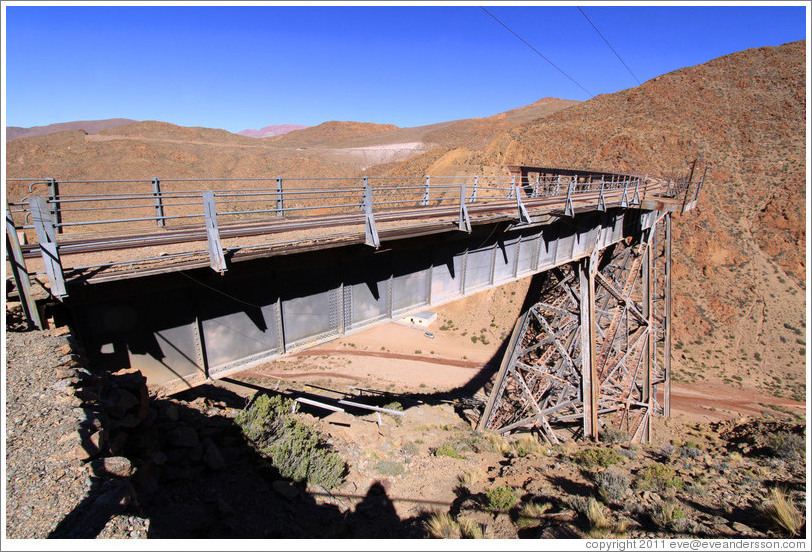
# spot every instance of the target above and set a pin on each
(588, 355)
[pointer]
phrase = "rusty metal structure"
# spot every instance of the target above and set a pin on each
(593, 351)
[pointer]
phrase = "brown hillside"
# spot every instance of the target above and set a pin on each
(740, 257)
(91, 127)
(329, 133)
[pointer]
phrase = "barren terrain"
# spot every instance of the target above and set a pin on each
(739, 310)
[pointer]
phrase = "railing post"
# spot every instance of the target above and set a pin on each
(46, 236)
(56, 213)
(465, 222)
(280, 202)
(524, 216)
(160, 218)
(536, 187)
(636, 198)
(370, 229)
(601, 198)
(426, 194)
(20, 272)
(557, 185)
(512, 186)
(568, 208)
(218, 262)
(476, 184)
(624, 202)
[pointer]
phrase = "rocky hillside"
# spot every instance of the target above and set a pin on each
(740, 257)
(330, 133)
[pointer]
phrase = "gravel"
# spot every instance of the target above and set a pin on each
(48, 488)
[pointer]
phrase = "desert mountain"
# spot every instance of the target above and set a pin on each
(271, 130)
(91, 127)
(739, 259)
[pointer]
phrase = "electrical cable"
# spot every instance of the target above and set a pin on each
(610, 46)
(591, 95)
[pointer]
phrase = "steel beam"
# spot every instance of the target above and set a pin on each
(218, 262)
(46, 236)
(20, 273)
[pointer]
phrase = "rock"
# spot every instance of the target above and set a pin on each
(182, 436)
(285, 489)
(224, 508)
(64, 386)
(117, 466)
(741, 529)
(90, 445)
(212, 457)
(129, 378)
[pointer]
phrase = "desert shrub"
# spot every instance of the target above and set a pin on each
(528, 445)
(611, 436)
(293, 447)
(629, 453)
(787, 445)
(686, 451)
(666, 451)
(612, 485)
(409, 448)
(660, 477)
(781, 514)
(390, 467)
(470, 477)
(443, 526)
(469, 529)
(597, 456)
(501, 498)
(666, 512)
(447, 450)
(495, 442)
(530, 514)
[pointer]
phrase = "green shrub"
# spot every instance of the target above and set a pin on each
(661, 477)
(597, 456)
(501, 498)
(293, 447)
(447, 450)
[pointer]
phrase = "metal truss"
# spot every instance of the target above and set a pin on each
(594, 350)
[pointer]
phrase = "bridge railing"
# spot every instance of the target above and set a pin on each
(73, 217)
(82, 206)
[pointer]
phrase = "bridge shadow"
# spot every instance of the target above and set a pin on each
(182, 496)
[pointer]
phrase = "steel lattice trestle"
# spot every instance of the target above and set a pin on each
(594, 351)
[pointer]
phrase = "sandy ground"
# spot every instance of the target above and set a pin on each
(400, 357)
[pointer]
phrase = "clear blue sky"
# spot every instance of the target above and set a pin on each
(247, 67)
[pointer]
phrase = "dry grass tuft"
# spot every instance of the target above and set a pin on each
(781, 513)
(531, 513)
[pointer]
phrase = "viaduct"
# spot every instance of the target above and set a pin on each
(193, 280)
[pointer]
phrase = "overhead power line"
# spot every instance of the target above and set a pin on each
(591, 95)
(610, 46)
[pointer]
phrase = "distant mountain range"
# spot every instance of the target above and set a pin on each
(91, 127)
(271, 130)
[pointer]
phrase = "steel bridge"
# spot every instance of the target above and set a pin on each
(195, 279)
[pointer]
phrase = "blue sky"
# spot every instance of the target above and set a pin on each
(247, 67)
